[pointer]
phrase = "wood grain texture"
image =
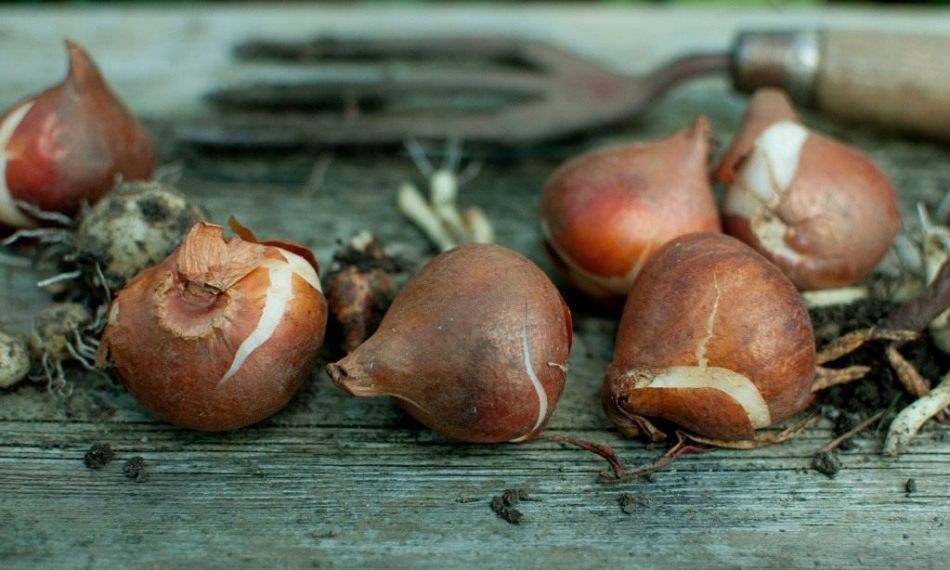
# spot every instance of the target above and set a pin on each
(902, 81)
(333, 481)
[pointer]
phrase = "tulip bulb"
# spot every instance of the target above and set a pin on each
(222, 333)
(68, 145)
(603, 214)
(133, 227)
(714, 339)
(823, 212)
(14, 359)
(474, 347)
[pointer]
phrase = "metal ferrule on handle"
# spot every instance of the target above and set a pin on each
(789, 60)
(896, 81)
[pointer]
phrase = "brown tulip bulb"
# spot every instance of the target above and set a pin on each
(713, 339)
(222, 333)
(603, 214)
(68, 145)
(819, 209)
(474, 347)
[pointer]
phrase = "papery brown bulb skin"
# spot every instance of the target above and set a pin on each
(219, 335)
(605, 213)
(474, 347)
(68, 145)
(714, 339)
(822, 211)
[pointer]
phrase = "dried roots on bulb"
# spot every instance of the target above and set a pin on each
(361, 285)
(133, 227)
(63, 333)
(67, 146)
(14, 359)
(699, 344)
(475, 347)
(605, 213)
(222, 333)
(438, 215)
(819, 209)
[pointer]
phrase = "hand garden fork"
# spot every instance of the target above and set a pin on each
(524, 91)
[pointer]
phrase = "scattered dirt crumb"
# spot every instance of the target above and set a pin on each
(136, 470)
(910, 486)
(513, 496)
(504, 505)
(99, 455)
(628, 503)
(826, 462)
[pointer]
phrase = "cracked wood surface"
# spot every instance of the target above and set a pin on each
(337, 481)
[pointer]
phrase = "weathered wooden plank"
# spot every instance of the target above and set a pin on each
(361, 492)
(336, 481)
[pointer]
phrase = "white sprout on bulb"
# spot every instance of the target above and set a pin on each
(438, 215)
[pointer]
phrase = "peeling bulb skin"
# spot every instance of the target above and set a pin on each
(474, 347)
(823, 212)
(766, 107)
(68, 145)
(605, 213)
(714, 339)
(220, 335)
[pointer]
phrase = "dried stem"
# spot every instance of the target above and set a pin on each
(617, 468)
(763, 439)
(846, 344)
(827, 377)
(835, 443)
(908, 376)
(682, 447)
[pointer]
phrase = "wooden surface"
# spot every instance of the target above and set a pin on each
(339, 482)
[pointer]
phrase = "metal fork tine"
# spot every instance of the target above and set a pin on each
(499, 89)
(328, 49)
(390, 83)
(293, 130)
(553, 58)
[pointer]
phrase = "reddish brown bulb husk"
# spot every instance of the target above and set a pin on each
(605, 213)
(361, 285)
(818, 208)
(68, 145)
(474, 347)
(714, 339)
(221, 334)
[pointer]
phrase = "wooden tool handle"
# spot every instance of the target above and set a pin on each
(895, 80)
(898, 81)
